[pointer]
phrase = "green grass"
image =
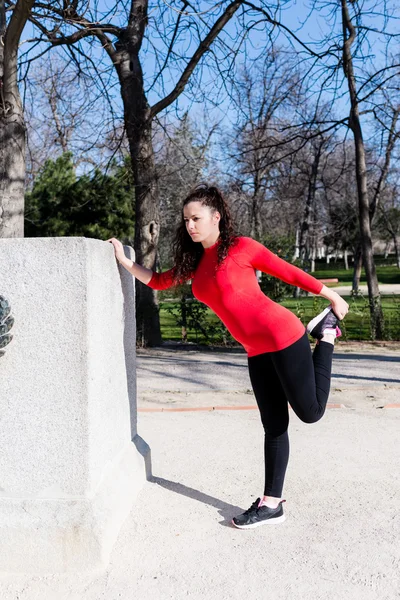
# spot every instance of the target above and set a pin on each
(385, 275)
(354, 327)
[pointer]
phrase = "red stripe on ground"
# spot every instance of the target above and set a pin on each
(392, 406)
(209, 408)
(196, 408)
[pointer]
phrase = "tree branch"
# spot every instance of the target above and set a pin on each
(11, 43)
(280, 25)
(201, 50)
(61, 39)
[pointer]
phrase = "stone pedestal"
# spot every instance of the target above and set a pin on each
(71, 461)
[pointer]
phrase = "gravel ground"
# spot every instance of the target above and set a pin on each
(342, 529)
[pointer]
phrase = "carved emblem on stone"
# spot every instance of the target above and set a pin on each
(6, 322)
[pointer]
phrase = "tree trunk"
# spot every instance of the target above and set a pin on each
(305, 226)
(357, 269)
(12, 170)
(346, 259)
(12, 125)
(138, 116)
(393, 136)
(138, 126)
(256, 223)
(377, 321)
(387, 249)
(296, 244)
(396, 250)
(313, 254)
(147, 231)
(304, 233)
(296, 254)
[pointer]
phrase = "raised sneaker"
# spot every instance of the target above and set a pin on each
(259, 515)
(325, 322)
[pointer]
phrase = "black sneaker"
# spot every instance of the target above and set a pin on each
(326, 320)
(263, 515)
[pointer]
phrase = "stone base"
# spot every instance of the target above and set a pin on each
(71, 459)
(46, 536)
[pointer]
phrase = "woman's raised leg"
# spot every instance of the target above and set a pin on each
(305, 376)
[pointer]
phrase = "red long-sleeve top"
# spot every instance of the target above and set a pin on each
(233, 293)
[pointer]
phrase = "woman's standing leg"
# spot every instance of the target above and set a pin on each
(273, 406)
(274, 413)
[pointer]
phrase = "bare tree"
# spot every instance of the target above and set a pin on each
(316, 149)
(64, 113)
(71, 25)
(388, 221)
(386, 114)
(181, 157)
(277, 173)
(12, 123)
(261, 93)
(349, 37)
(339, 197)
(68, 26)
(336, 52)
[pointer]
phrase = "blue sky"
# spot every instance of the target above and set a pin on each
(311, 28)
(293, 15)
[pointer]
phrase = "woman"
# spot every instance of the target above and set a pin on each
(281, 366)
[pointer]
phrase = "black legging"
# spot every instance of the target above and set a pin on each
(291, 375)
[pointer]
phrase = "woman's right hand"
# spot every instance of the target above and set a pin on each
(118, 249)
(339, 306)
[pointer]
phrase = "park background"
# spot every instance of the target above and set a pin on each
(290, 107)
(109, 113)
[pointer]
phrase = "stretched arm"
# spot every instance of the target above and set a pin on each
(263, 259)
(162, 281)
(157, 281)
(144, 275)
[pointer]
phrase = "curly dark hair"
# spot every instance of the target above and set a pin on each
(187, 253)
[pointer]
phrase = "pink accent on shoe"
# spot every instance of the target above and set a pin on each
(329, 330)
(263, 503)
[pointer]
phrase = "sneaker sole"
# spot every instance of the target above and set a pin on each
(317, 319)
(274, 521)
